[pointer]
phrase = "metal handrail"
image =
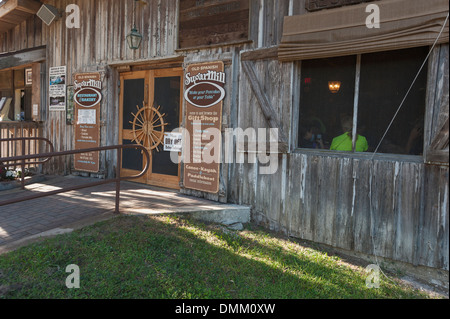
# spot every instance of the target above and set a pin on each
(22, 164)
(116, 180)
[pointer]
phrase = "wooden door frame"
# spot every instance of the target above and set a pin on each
(130, 76)
(151, 178)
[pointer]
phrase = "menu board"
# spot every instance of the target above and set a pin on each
(204, 94)
(87, 98)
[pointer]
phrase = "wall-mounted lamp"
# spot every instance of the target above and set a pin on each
(134, 39)
(334, 86)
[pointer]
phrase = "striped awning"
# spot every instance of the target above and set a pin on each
(343, 31)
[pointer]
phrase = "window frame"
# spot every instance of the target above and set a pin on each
(297, 74)
(16, 91)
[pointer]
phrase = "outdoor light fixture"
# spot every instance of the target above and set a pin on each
(134, 39)
(334, 86)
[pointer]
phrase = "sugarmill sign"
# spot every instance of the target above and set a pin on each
(204, 95)
(205, 89)
(87, 92)
(87, 98)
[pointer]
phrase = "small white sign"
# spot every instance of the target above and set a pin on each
(35, 109)
(87, 116)
(173, 142)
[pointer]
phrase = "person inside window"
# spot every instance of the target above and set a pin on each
(414, 146)
(344, 142)
(310, 136)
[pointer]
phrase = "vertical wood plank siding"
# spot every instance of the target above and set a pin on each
(338, 200)
(343, 201)
(99, 41)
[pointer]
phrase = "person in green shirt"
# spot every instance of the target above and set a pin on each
(344, 142)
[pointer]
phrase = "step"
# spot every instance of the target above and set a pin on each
(226, 214)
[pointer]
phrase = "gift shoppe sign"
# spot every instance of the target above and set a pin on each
(87, 98)
(204, 95)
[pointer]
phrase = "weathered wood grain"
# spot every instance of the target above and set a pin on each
(341, 200)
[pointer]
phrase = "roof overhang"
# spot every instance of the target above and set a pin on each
(14, 12)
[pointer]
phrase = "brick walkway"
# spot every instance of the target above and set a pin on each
(27, 219)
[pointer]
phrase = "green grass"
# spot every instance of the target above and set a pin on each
(174, 258)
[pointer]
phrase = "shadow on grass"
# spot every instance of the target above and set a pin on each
(167, 258)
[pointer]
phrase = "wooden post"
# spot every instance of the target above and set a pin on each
(356, 102)
(22, 175)
(119, 160)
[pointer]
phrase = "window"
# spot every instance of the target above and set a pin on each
(15, 95)
(369, 88)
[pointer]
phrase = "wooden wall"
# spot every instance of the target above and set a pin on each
(346, 200)
(337, 200)
(91, 48)
(265, 30)
(28, 34)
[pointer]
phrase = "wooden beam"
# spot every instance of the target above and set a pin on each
(6, 25)
(257, 147)
(131, 63)
(22, 58)
(14, 12)
(438, 157)
(8, 7)
(441, 140)
(260, 54)
(29, 6)
(267, 109)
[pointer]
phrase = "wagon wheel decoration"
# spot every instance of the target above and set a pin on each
(148, 127)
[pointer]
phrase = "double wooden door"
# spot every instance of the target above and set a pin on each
(150, 106)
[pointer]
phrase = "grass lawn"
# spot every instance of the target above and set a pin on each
(172, 258)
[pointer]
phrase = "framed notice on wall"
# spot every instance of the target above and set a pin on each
(87, 98)
(204, 94)
(57, 88)
(28, 77)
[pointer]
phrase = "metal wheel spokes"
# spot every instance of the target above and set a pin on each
(148, 127)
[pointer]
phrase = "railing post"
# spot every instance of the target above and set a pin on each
(22, 175)
(119, 160)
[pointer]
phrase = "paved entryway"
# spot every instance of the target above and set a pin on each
(39, 217)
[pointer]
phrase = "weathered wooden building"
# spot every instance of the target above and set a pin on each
(301, 67)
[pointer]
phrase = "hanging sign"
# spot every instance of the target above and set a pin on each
(87, 98)
(204, 94)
